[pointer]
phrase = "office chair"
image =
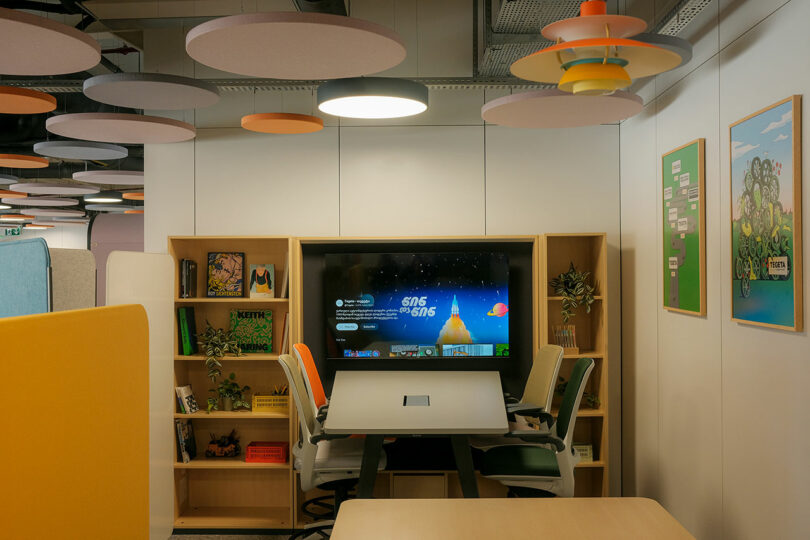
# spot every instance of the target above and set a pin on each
(312, 380)
(535, 403)
(328, 463)
(544, 462)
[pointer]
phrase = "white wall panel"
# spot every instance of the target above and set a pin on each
(737, 17)
(253, 183)
(66, 236)
(398, 181)
(168, 193)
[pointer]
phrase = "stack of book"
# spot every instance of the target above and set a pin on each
(188, 278)
(186, 331)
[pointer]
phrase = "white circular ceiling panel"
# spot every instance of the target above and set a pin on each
(295, 45)
(34, 45)
(150, 91)
(111, 207)
(42, 201)
(557, 109)
(43, 188)
(53, 212)
(122, 128)
(115, 177)
(84, 150)
(6, 179)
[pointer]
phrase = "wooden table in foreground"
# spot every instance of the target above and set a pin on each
(508, 519)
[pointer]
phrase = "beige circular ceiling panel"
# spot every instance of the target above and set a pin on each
(120, 128)
(557, 109)
(43, 188)
(150, 91)
(115, 177)
(42, 201)
(295, 45)
(34, 45)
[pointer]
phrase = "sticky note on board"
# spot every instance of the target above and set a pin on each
(684, 179)
(673, 263)
(668, 193)
(694, 207)
(693, 194)
(676, 167)
(683, 235)
(673, 214)
(683, 224)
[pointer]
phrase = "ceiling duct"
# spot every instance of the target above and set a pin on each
(335, 7)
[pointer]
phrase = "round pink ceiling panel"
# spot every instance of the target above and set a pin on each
(120, 128)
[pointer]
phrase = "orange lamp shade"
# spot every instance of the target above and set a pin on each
(22, 162)
(133, 196)
(594, 79)
(16, 217)
(8, 194)
(282, 123)
(14, 100)
(133, 211)
(593, 7)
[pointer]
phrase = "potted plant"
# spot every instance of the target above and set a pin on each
(572, 286)
(215, 343)
(232, 395)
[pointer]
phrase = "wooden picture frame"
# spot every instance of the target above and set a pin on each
(683, 183)
(766, 217)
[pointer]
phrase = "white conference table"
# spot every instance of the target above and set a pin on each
(452, 403)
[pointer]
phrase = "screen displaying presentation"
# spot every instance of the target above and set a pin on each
(388, 305)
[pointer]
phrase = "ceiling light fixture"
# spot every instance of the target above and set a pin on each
(4, 207)
(122, 128)
(15, 100)
(104, 197)
(16, 217)
(295, 45)
(372, 97)
(150, 91)
(282, 123)
(593, 55)
(19, 161)
(84, 150)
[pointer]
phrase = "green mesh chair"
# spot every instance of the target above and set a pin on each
(544, 464)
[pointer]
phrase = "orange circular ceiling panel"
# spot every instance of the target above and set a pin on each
(133, 211)
(643, 59)
(133, 196)
(282, 123)
(16, 217)
(7, 194)
(14, 100)
(20, 161)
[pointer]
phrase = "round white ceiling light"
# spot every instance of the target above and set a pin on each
(150, 91)
(83, 150)
(295, 45)
(122, 128)
(115, 177)
(372, 97)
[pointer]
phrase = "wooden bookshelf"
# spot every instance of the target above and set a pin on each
(588, 252)
(229, 493)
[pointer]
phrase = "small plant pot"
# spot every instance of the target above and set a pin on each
(227, 404)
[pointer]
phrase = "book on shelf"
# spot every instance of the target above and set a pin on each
(185, 396)
(262, 281)
(186, 445)
(226, 274)
(253, 329)
(285, 341)
(186, 331)
(285, 279)
(188, 278)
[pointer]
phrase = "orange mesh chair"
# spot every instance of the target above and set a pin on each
(312, 380)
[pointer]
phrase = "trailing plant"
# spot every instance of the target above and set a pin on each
(229, 389)
(215, 343)
(591, 400)
(575, 291)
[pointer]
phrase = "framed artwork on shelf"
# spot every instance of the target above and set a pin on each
(766, 217)
(262, 281)
(684, 228)
(226, 274)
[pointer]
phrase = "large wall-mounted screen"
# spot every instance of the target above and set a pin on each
(390, 305)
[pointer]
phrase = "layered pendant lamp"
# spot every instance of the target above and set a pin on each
(593, 54)
(372, 97)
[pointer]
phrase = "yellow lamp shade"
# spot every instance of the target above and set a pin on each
(15, 100)
(594, 79)
(282, 123)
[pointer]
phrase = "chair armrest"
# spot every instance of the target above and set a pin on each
(321, 435)
(321, 416)
(533, 411)
(538, 437)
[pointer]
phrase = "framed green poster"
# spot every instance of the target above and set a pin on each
(684, 228)
(766, 217)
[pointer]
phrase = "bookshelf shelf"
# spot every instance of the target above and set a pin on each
(228, 463)
(591, 465)
(585, 412)
(229, 493)
(240, 415)
(586, 354)
(233, 300)
(560, 298)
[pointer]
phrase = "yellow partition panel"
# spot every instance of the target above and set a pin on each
(75, 417)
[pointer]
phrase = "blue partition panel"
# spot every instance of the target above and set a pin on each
(24, 277)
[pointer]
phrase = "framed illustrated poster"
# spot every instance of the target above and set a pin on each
(684, 228)
(766, 217)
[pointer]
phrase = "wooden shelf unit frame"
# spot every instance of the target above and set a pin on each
(588, 252)
(229, 493)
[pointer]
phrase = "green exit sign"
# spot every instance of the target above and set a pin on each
(13, 231)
